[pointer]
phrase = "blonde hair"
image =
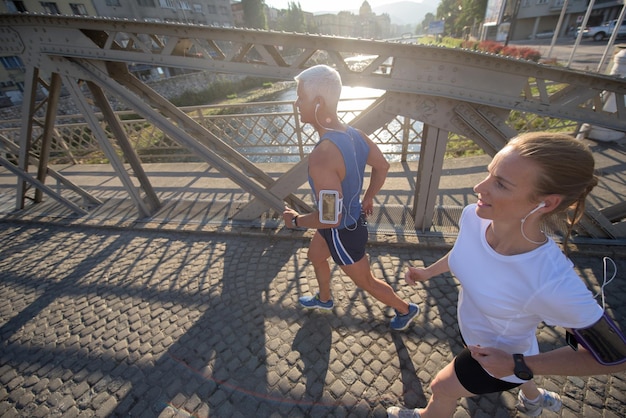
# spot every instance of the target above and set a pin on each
(566, 168)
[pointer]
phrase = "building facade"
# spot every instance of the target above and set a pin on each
(199, 12)
(366, 24)
(529, 19)
(204, 12)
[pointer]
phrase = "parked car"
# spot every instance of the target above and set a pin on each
(598, 33)
(543, 34)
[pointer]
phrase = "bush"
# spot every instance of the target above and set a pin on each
(217, 91)
(493, 47)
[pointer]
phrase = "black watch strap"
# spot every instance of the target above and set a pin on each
(521, 370)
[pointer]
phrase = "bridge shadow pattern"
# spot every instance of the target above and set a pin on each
(144, 323)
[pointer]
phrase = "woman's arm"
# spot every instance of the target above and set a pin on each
(421, 274)
(563, 361)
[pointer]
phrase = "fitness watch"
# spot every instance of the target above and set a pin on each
(294, 221)
(521, 370)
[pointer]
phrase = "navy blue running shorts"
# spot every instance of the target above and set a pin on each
(347, 245)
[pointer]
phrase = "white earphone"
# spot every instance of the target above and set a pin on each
(539, 206)
(317, 106)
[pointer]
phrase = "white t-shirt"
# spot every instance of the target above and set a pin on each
(504, 298)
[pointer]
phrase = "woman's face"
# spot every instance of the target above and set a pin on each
(506, 193)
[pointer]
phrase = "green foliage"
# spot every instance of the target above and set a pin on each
(254, 14)
(217, 91)
(459, 15)
(293, 19)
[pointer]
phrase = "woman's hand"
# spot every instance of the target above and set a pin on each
(497, 362)
(416, 274)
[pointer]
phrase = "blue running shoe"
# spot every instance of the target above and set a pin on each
(401, 322)
(314, 302)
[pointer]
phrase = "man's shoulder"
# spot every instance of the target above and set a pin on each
(324, 153)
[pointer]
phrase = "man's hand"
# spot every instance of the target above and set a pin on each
(497, 362)
(288, 215)
(367, 206)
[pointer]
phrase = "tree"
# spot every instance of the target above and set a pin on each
(293, 19)
(254, 14)
(461, 15)
(423, 27)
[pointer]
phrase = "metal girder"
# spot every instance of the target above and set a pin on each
(29, 178)
(150, 204)
(145, 209)
(428, 176)
(443, 72)
(90, 71)
(476, 90)
(201, 134)
(34, 160)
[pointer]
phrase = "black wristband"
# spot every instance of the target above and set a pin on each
(521, 370)
(294, 220)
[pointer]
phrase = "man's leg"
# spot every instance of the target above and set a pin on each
(318, 255)
(361, 274)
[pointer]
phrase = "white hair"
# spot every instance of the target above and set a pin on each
(323, 81)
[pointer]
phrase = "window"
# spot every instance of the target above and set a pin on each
(16, 7)
(146, 3)
(212, 9)
(184, 5)
(167, 4)
(12, 63)
(113, 3)
(197, 8)
(78, 9)
(50, 7)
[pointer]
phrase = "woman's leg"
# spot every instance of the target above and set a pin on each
(446, 391)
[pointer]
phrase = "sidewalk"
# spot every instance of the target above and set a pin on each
(154, 323)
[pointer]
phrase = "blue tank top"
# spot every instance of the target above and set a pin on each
(354, 151)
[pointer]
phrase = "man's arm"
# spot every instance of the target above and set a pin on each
(380, 168)
(325, 168)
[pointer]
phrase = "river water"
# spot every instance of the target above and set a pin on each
(353, 101)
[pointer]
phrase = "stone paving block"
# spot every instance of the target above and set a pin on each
(134, 341)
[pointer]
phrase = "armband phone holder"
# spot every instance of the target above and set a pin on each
(329, 205)
(603, 340)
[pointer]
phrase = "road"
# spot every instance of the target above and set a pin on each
(587, 56)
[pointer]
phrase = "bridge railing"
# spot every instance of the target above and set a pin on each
(261, 131)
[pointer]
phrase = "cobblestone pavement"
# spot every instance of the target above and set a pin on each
(107, 322)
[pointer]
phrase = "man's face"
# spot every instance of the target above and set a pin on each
(305, 105)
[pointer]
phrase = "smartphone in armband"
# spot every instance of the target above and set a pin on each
(329, 206)
(603, 340)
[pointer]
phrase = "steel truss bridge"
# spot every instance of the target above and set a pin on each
(449, 90)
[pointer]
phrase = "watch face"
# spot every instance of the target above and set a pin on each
(524, 375)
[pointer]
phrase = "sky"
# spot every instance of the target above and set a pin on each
(327, 5)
